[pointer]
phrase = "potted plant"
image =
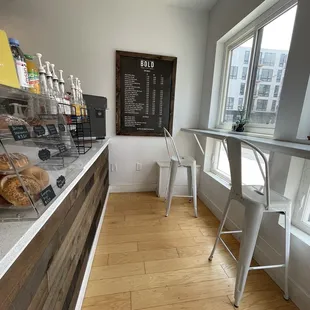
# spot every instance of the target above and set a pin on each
(240, 122)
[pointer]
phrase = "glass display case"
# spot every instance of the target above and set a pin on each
(38, 157)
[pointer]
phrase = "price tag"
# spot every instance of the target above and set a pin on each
(47, 195)
(44, 154)
(61, 127)
(39, 130)
(52, 129)
(61, 181)
(19, 132)
(62, 147)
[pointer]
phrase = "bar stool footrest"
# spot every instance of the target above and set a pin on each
(231, 232)
(267, 267)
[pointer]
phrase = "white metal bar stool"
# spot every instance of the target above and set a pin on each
(180, 161)
(256, 203)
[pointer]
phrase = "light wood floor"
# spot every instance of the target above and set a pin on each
(146, 261)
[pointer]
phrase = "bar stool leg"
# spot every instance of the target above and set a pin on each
(223, 220)
(189, 182)
(169, 173)
(287, 252)
(252, 220)
(173, 173)
(194, 186)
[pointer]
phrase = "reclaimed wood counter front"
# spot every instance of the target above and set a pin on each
(49, 271)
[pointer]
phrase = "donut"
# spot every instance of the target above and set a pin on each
(11, 189)
(19, 161)
(39, 174)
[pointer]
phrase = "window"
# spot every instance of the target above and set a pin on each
(232, 88)
(301, 211)
(230, 103)
(269, 59)
(244, 73)
(263, 90)
(279, 76)
(271, 49)
(266, 75)
(273, 106)
(242, 87)
(233, 72)
(276, 91)
(283, 59)
(240, 104)
(261, 105)
(220, 165)
(246, 57)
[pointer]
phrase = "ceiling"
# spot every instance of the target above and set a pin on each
(193, 4)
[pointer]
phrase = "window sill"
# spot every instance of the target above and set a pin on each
(298, 233)
(245, 133)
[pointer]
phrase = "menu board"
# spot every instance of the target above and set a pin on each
(145, 86)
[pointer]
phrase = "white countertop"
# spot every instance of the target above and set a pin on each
(15, 236)
(292, 148)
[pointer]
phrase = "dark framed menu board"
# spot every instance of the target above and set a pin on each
(145, 86)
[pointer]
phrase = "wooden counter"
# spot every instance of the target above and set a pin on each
(49, 271)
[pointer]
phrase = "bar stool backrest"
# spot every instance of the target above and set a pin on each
(234, 150)
(171, 146)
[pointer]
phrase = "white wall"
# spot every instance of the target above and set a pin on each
(81, 37)
(270, 247)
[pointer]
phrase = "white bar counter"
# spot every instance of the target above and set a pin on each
(297, 148)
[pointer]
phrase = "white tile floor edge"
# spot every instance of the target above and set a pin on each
(83, 287)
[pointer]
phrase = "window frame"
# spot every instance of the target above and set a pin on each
(253, 30)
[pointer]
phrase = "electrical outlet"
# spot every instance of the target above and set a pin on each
(138, 166)
(113, 167)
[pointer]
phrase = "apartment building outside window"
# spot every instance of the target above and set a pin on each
(233, 72)
(263, 90)
(261, 105)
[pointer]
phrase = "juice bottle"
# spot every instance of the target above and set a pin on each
(20, 64)
(33, 75)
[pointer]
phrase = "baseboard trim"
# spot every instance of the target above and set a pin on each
(81, 296)
(298, 295)
(138, 187)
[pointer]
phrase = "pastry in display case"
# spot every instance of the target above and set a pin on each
(38, 157)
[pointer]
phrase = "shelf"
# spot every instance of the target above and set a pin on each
(7, 92)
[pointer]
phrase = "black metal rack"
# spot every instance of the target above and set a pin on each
(80, 127)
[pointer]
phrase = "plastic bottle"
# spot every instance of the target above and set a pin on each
(42, 75)
(50, 89)
(67, 107)
(55, 81)
(20, 63)
(33, 75)
(75, 102)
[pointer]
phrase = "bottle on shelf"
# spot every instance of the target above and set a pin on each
(65, 101)
(74, 98)
(83, 103)
(55, 82)
(53, 108)
(42, 75)
(20, 63)
(33, 75)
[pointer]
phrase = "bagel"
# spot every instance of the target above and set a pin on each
(19, 161)
(12, 190)
(39, 174)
